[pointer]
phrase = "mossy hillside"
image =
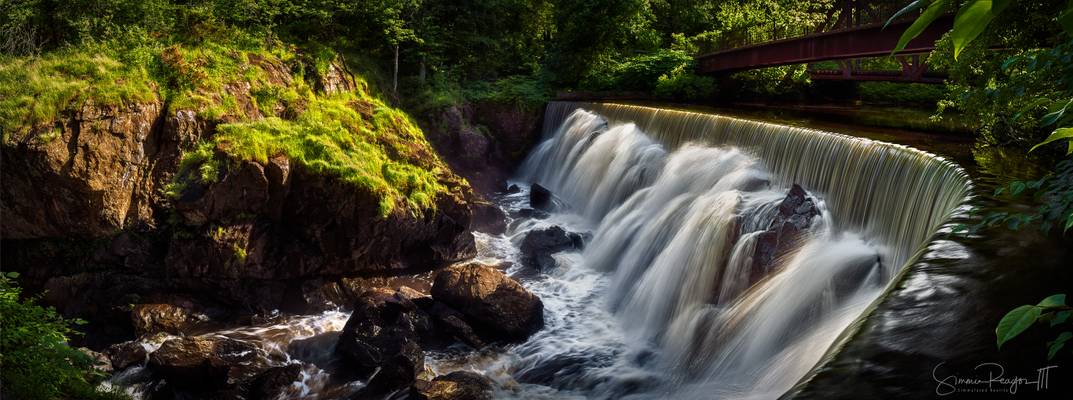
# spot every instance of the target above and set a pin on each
(356, 138)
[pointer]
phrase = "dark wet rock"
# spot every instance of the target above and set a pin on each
(274, 382)
(382, 336)
(497, 306)
(488, 218)
(155, 318)
(540, 244)
(100, 361)
(513, 189)
(422, 300)
(206, 363)
(540, 198)
(458, 385)
(796, 212)
(450, 323)
(532, 213)
(126, 354)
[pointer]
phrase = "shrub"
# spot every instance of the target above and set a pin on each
(683, 84)
(35, 360)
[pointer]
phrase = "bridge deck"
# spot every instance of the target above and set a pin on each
(857, 42)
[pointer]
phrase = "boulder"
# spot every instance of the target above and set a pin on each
(498, 306)
(540, 244)
(458, 385)
(126, 354)
(540, 198)
(155, 318)
(513, 189)
(206, 363)
(488, 218)
(100, 362)
(275, 382)
(532, 213)
(450, 323)
(382, 336)
(796, 212)
(473, 145)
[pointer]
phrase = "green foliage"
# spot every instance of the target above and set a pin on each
(682, 84)
(639, 72)
(1051, 311)
(35, 360)
(896, 93)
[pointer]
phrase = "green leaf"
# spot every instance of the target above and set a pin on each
(1058, 134)
(1058, 343)
(1060, 317)
(1016, 188)
(999, 190)
(905, 10)
(1069, 218)
(13, 275)
(1015, 322)
(1055, 300)
(929, 15)
(971, 20)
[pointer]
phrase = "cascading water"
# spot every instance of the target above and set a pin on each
(668, 299)
(679, 202)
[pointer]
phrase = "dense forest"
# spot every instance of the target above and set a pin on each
(264, 77)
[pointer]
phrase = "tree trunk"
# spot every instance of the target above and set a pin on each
(395, 76)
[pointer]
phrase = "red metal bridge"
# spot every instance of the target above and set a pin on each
(854, 31)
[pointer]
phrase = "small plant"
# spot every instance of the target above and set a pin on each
(1052, 311)
(240, 253)
(35, 360)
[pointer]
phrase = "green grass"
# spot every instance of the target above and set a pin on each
(33, 91)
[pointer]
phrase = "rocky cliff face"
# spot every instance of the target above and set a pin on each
(484, 141)
(85, 215)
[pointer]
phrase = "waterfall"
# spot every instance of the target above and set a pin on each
(683, 201)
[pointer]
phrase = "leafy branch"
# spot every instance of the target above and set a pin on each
(1052, 311)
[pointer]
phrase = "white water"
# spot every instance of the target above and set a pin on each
(660, 304)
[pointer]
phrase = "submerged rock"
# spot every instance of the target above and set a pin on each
(206, 363)
(532, 213)
(540, 244)
(540, 198)
(498, 306)
(458, 385)
(512, 189)
(382, 337)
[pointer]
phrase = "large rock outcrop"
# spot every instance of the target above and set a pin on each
(498, 306)
(86, 176)
(88, 214)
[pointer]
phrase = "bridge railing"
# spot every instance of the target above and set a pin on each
(842, 15)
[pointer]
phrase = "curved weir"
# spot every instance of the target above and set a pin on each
(684, 207)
